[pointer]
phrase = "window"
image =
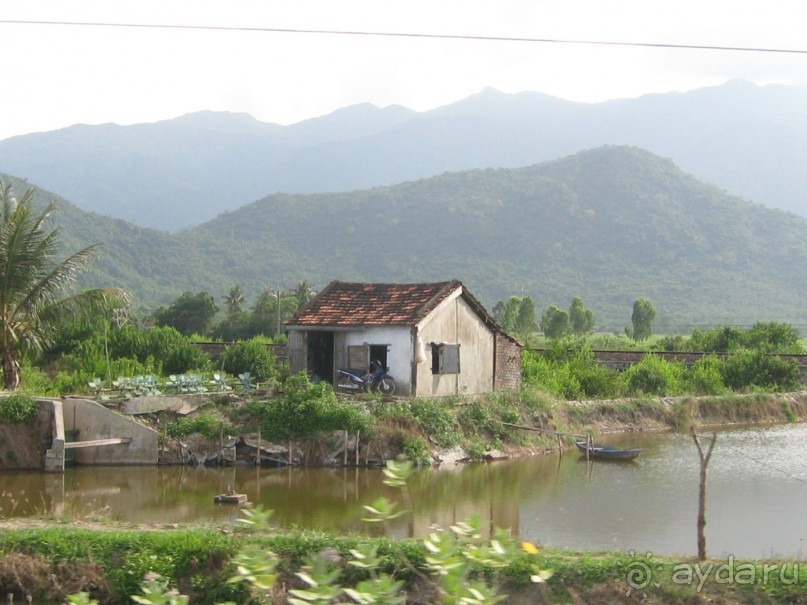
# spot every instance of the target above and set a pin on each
(445, 358)
(360, 356)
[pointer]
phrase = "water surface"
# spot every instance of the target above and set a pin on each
(757, 492)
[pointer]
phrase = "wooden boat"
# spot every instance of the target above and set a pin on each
(604, 452)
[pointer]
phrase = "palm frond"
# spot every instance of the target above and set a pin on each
(34, 285)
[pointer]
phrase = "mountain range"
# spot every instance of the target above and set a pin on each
(749, 140)
(610, 224)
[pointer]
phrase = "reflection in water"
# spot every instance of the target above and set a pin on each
(756, 493)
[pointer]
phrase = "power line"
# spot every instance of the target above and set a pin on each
(765, 463)
(335, 32)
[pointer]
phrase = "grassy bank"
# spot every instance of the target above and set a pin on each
(110, 562)
(483, 425)
(428, 431)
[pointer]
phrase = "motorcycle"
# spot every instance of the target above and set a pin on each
(376, 380)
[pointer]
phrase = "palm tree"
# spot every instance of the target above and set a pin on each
(33, 286)
(304, 294)
(264, 297)
(234, 299)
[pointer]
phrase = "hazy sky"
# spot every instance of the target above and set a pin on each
(58, 75)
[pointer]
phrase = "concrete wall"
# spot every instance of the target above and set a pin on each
(399, 351)
(454, 322)
(93, 421)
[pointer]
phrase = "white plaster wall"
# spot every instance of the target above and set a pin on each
(455, 322)
(399, 352)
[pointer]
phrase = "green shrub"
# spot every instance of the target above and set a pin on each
(250, 356)
(34, 381)
(18, 408)
(73, 383)
(207, 425)
(417, 450)
(477, 418)
(436, 420)
(654, 376)
(175, 353)
(185, 358)
(549, 373)
(672, 343)
(706, 377)
(306, 410)
(592, 380)
(476, 449)
(747, 369)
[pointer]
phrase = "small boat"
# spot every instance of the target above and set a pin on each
(604, 452)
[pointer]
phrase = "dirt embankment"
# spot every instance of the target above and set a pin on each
(23, 444)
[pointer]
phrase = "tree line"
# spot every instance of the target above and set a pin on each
(518, 316)
(197, 313)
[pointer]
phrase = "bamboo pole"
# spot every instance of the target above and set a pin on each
(357, 448)
(536, 429)
(344, 454)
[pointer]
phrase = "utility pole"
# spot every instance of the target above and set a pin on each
(278, 294)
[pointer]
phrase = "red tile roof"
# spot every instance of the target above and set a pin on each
(360, 304)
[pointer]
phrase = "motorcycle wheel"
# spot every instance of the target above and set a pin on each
(386, 386)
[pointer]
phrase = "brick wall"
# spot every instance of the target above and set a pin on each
(507, 374)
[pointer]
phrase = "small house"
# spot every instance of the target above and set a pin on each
(434, 338)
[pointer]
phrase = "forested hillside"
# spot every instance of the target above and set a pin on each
(749, 140)
(610, 224)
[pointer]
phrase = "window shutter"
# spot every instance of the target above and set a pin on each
(358, 357)
(450, 359)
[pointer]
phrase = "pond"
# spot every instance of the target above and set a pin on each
(757, 491)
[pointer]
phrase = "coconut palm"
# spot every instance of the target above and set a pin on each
(265, 296)
(304, 294)
(33, 285)
(234, 299)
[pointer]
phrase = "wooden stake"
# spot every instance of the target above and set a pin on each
(704, 458)
(221, 442)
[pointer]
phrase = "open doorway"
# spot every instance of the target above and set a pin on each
(320, 356)
(379, 352)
